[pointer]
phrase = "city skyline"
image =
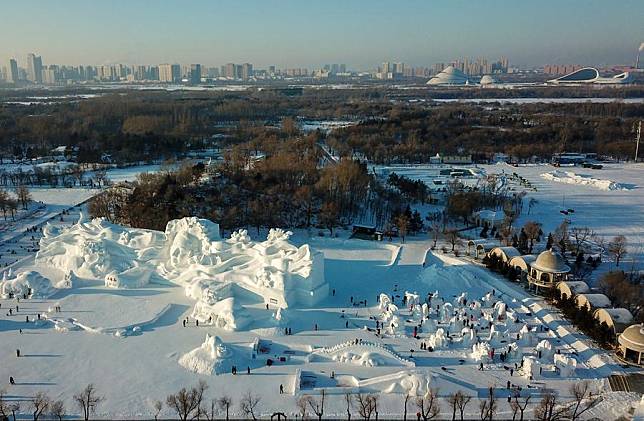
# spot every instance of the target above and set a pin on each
(289, 34)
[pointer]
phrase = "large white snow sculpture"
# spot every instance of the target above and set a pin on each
(207, 358)
(24, 283)
(565, 365)
(191, 253)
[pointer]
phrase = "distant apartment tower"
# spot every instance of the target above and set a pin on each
(229, 71)
(195, 74)
(34, 68)
(246, 71)
(13, 76)
(169, 73)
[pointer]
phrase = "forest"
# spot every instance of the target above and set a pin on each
(392, 126)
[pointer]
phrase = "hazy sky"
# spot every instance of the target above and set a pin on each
(361, 33)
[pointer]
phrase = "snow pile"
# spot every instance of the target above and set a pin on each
(208, 358)
(570, 177)
(26, 283)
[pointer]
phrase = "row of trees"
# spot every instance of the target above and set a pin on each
(192, 404)
(9, 204)
(41, 405)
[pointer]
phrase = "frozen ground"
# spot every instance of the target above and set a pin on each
(132, 371)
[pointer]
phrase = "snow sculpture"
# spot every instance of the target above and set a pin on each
(481, 352)
(499, 312)
(461, 300)
(25, 283)
(531, 367)
(411, 298)
(438, 339)
(446, 312)
(225, 314)
(425, 311)
(544, 350)
(468, 337)
(526, 336)
(565, 365)
(188, 240)
(489, 300)
(414, 384)
(136, 277)
(383, 301)
(208, 358)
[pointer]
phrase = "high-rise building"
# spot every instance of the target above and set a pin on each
(246, 71)
(399, 68)
(229, 70)
(50, 75)
(34, 68)
(195, 74)
(169, 73)
(14, 76)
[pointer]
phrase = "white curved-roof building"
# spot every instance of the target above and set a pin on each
(631, 343)
(487, 80)
(450, 76)
(590, 75)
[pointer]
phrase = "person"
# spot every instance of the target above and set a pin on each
(351, 298)
(281, 389)
(481, 367)
(11, 380)
(18, 353)
(316, 326)
(508, 385)
(248, 370)
(266, 306)
(509, 398)
(333, 292)
(346, 324)
(27, 319)
(197, 322)
(20, 331)
(290, 331)
(184, 322)
(511, 372)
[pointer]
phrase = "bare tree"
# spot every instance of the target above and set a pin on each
(579, 236)
(39, 404)
(548, 409)
(458, 401)
(225, 402)
(532, 230)
(366, 405)
(462, 404)
(452, 237)
(518, 407)
(23, 195)
(57, 410)
(14, 407)
(87, 400)
(303, 406)
(157, 406)
(186, 402)
(4, 405)
(584, 399)
(210, 413)
(348, 399)
(428, 405)
(488, 406)
(317, 406)
(248, 404)
(407, 397)
(617, 247)
(402, 223)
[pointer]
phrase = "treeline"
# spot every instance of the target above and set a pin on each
(134, 126)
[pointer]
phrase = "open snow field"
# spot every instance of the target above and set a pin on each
(131, 343)
(610, 201)
(612, 205)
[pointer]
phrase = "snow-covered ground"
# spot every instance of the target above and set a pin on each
(610, 201)
(334, 342)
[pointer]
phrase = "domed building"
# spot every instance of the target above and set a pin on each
(631, 343)
(547, 271)
(450, 76)
(487, 80)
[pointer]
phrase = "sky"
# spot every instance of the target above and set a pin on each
(310, 33)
